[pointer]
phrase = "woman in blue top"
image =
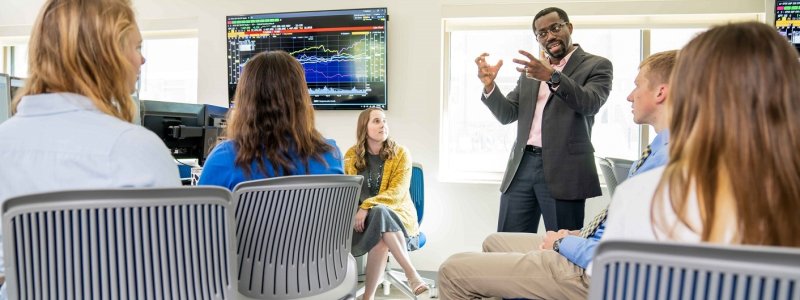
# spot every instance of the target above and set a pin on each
(271, 127)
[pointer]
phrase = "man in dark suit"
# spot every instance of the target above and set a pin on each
(551, 169)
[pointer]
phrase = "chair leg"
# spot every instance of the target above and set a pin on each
(399, 279)
(360, 291)
(433, 292)
(361, 268)
(401, 282)
(387, 287)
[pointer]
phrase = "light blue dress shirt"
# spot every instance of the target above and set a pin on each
(659, 154)
(61, 141)
(580, 250)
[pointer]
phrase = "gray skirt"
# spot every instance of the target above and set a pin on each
(380, 219)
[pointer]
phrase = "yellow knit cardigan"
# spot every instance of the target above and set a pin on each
(394, 187)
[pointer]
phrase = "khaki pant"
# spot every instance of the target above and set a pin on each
(513, 267)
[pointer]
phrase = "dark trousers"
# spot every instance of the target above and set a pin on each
(527, 197)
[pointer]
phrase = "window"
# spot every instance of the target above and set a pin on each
(14, 56)
(664, 39)
(170, 70)
(19, 60)
(169, 73)
(475, 141)
(3, 50)
(475, 146)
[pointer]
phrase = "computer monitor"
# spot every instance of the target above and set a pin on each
(5, 97)
(343, 52)
(189, 130)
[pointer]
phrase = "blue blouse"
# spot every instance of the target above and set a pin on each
(220, 168)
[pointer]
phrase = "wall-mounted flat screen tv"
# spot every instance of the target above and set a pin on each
(787, 20)
(343, 52)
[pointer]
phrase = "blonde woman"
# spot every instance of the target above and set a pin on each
(71, 128)
(733, 175)
(386, 218)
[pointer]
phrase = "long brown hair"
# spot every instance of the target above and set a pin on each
(272, 116)
(77, 47)
(388, 150)
(735, 133)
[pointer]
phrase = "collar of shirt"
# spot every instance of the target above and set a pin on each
(55, 103)
(660, 141)
(563, 62)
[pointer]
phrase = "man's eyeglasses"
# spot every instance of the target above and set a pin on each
(555, 28)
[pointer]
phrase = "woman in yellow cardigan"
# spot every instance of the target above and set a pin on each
(386, 218)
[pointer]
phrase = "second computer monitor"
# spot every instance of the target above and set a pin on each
(188, 130)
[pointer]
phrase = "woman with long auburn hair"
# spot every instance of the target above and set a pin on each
(733, 175)
(71, 127)
(271, 127)
(386, 218)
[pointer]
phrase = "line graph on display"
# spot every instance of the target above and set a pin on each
(342, 52)
(335, 64)
(341, 64)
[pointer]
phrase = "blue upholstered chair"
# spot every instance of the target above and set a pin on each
(418, 196)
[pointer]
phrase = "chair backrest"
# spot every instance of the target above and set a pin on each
(621, 168)
(417, 190)
(647, 270)
(294, 234)
(170, 243)
(608, 174)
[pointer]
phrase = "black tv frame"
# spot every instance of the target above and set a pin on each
(340, 97)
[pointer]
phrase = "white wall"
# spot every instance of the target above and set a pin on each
(458, 216)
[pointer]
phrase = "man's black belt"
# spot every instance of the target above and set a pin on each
(533, 149)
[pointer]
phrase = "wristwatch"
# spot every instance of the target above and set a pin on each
(556, 244)
(555, 78)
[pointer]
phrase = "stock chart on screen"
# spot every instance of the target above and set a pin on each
(343, 52)
(787, 20)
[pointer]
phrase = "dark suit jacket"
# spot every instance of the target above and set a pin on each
(567, 120)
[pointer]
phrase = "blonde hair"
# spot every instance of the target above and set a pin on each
(388, 150)
(77, 47)
(735, 132)
(658, 66)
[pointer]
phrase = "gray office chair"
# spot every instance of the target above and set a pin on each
(648, 270)
(170, 243)
(294, 236)
(608, 174)
(621, 168)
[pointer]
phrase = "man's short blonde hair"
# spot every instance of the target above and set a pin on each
(658, 66)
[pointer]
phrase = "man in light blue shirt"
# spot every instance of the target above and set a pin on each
(649, 107)
(515, 268)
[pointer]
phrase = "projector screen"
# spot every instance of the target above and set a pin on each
(343, 52)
